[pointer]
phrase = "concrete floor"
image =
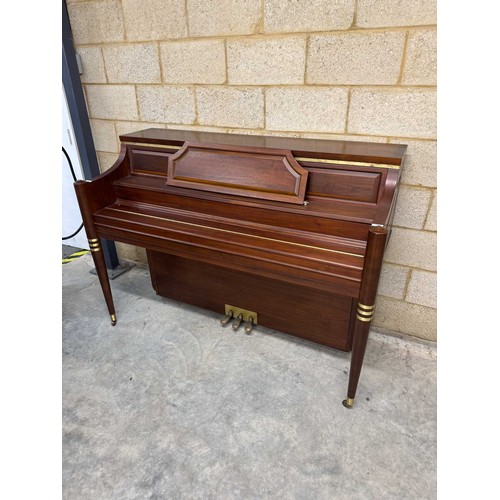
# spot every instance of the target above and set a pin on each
(169, 405)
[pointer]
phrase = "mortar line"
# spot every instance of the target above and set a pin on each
(403, 59)
(306, 59)
(429, 208)
(407, 284)
(369, 87)
(226, 64)
(186, 13)
(284, 34)
(101, 51)
(355, 16)
(348, 109)
(195, 92)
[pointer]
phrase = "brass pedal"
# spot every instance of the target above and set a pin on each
(227, 318)
(237, 321)
(249, 325)
(240, 315)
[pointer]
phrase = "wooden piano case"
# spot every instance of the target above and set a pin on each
(288, 232)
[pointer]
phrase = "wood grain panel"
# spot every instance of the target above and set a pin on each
(300, 311)
(273, 175)
(344, 184)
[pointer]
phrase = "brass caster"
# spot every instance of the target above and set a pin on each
(348, 402)
(249, 325)
(237, 321)
(113, 320)
(227, 319)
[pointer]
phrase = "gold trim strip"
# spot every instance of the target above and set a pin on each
(347, 162)
(166, 146)
(365, 314)
(239, 233)
(95, 249)
(349, 401)
(362, 306)
(94, 245)
(366, 320)
(94, 240)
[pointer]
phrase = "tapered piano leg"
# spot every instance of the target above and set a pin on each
(102, 273)
(83, 198)
(366, 306)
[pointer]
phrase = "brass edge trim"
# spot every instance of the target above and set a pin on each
(239, 233)
(362, 306)
(94, 245)
(366, 320)
(166, 146)
(348, 162)
(95, 249)
(93, 240)
(348, 402)
(365, 314)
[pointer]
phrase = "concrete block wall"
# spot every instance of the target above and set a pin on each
(340, 69)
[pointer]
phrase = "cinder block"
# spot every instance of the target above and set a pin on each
(230, 107)
(420, 167)
(431, 222)
(422, 288)
(104, 135)
(382, 13)
(403, 113)
(132, 63)
(307, 15)
(92, 65)
(355, 58)
(96, 22)
(128, 127)
(306, 109)
(126, 251)
(411, 207)
(266, 61)
(166, 104)
(223, 17)
(398, 316)
(409, 247)
(115, 102)
(393, 281)
(106, 160)
(199, 61)
(421, 58)
(154, 19)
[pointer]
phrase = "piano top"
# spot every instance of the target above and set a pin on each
(391, 154)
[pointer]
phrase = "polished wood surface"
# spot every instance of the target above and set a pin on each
(293, 229)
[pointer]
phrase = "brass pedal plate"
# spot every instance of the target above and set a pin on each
(236, 311)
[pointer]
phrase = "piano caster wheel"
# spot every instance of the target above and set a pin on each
(227, 319)
(249, 325)
(237, 321)
(113, 320)
(348, 402)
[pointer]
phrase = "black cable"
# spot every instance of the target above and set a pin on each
(75, 179)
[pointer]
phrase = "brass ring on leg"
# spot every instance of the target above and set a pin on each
(348, 402)
(113, 319)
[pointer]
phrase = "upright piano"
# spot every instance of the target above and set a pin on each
(280, 232)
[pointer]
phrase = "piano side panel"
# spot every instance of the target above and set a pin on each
(318, 316)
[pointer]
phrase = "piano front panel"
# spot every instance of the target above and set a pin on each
(318, 316)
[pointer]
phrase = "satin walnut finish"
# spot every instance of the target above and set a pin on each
(289, 231)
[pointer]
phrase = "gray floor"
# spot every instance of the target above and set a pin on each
(169, 405)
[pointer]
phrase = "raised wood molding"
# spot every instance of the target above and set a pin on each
(238, 170)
